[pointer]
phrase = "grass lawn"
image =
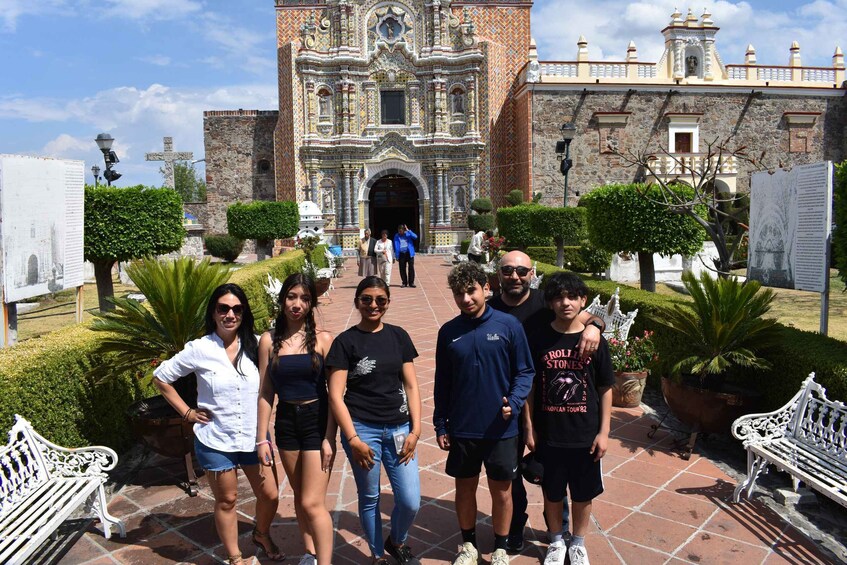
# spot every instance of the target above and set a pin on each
(57, 311)
(801, 309)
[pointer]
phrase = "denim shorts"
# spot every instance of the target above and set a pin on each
(213, 460)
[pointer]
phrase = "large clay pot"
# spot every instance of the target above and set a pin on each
(706, 410)
(628, 388)
(160, 428)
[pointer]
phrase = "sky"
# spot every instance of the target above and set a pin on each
(144, 69)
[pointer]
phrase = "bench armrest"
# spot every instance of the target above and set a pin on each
(755, 429)
(91, 461)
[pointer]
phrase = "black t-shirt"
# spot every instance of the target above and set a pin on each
(374, 364)
(532, 313)
(567, 404)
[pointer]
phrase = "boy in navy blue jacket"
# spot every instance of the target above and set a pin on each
(483, 374)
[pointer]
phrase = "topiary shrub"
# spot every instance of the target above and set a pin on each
(515, 197)
(463, 246)
(567, 226)
(482, 205)
(839, 236)
(224, 246)
(594, 259)
(515, 224)
(263, 221)
(481, 222)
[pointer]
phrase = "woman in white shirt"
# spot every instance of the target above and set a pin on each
(384, 250)
(224, 361)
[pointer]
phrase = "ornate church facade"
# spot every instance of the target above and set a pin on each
(403, 111)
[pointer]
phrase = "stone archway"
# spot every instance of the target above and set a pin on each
(393, 193)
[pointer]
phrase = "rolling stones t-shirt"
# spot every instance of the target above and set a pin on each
(567, 404)
(374, 364)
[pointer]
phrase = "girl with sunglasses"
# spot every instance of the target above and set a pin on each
(291, 362)
(224, 361)
(374, 395)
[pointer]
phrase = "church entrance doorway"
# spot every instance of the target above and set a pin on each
(393, 201)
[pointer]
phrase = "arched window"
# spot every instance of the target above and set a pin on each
(457, 100)
(324, 104)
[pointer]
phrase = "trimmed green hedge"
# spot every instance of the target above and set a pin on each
(515, 224)
(45, 379)
(263, 220)
(224, 246)
(568, 223)
(839, 236)
(481, 222)
(797, 353)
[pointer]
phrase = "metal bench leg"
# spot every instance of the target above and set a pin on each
(106, 519)
(755, 466)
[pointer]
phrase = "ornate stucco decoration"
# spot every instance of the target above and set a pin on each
(467, 29)
(309, 31)
(391, 26)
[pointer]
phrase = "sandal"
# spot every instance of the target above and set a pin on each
(235, 559)
(263, 541)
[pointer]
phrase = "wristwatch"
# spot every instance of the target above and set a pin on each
(597, 325)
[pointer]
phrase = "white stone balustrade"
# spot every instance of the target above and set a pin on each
(685, 163)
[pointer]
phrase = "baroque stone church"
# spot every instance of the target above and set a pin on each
(404, 111)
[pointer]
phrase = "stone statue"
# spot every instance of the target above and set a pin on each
(691, 66)
(458, 102)
(533, 73)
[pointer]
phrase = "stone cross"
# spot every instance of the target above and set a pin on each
(169, 156)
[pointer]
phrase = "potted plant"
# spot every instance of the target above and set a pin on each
(308, 244)
(140, 335)
(723, 331)
(631, 360)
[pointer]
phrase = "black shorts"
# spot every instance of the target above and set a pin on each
(301, 427)
(571, 467)
(467, 456)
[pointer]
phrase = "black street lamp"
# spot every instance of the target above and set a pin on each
(95, 171)
(104, 142)
(563, 148)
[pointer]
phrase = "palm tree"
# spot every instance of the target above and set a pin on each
(724, 327)
(144, 334)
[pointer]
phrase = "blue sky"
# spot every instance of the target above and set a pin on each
(144, 69)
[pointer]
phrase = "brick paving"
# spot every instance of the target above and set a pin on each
(657, 508)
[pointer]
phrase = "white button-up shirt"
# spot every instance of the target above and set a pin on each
(229, 396)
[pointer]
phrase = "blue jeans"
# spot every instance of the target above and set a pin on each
(404, 479)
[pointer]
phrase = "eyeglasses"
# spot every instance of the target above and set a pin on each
(223, 309)
(507, 270)
(367, 300)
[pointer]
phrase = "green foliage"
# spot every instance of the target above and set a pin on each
(793, 356)
(515, 224)
(515, 197)
(224, 246)
(484, 222)
(565, 224)
(463, 246)
(633, 355)
(482, 205)
(187, 182)
(724, 328)
(839, 236)
(578, 258)
(620, 219)
(263, 220)
(596, 260)
(127, 223)
(143, 334)
(46, 381)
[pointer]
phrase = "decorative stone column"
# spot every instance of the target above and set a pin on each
(370, 102)
(354, 198)
(439, 206)
(433, 198)
(471, 188)
(345, 199)
(708, 47)
(436, 23)
(352, 107)
(445, 197)
(414, 102)
(471, 90)
(311, 104)
(313, 186)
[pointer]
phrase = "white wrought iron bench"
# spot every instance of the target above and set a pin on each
(42, 484)
(806, 438)
(617, 323)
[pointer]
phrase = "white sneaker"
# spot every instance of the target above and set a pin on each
(499, 557)
(556, 552)
(578, 555)
(308, 559)
(468, 555)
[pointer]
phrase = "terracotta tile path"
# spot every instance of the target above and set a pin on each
(657, 508)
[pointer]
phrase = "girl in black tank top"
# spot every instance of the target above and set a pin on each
(291, 365)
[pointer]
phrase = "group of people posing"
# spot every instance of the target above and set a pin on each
(532, 363)
(377, 256)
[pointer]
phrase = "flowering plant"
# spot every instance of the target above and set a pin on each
(633, 355)
(493, 244)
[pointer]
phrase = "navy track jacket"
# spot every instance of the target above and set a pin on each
(478, 361)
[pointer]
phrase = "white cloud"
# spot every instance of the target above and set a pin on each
(609, 25)
(152, 9)
(12, 10)
(66, 146)
(239, 45)
(157, 60)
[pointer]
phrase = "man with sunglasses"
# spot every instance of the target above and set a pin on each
(529, 307)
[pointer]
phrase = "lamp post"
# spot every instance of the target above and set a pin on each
(104, 142)
(95, 171)
(563, 148)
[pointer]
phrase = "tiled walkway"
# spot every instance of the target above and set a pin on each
(657, 508)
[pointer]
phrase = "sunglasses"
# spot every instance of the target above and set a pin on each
(507, 270)
(223, 309)
(367, 300)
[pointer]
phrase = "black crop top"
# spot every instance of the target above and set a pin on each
(294, 378)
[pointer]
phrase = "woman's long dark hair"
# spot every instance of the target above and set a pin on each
(371, 281)
(281, 323)
(246, 333)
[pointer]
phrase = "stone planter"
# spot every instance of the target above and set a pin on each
(628, 388)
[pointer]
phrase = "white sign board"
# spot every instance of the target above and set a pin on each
(41, 225)
(790, 225)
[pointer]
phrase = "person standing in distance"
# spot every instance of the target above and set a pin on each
(477, 245)
(531, 310)
(384, 257)
(404, 247)
(482, 361)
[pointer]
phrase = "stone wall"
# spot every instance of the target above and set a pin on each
(239, 161)
(757, 120)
